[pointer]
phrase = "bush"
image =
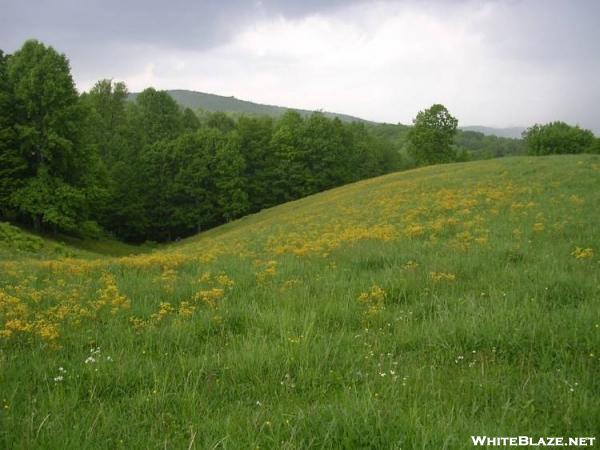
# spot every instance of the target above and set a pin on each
(558, 138)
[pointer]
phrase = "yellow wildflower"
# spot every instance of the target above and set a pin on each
(442, 276)
(582, 253)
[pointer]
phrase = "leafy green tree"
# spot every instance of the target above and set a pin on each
(137, 161)
(148, 169)
(323, 147)
(595, 147)
(156, 116)
(369, 155)
(159, 164)
(13, 164)
(107, 137)
(254, 134)
(58, 204)
(557, 138)
(127, 215)
(220, 121)
(48, 120)
(193, 189)
(291, 174)
(432, 136)
(232, 196)
(191, 183)
(106, 117)
(480, 146)
(190, 120)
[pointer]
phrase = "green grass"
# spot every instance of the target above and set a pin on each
(489, 323)
(16, 243)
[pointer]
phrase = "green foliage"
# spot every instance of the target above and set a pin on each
(19, 240)
(156, 116)
(209, 103)
(323, 140)
(48, 122)
(17, 243)
(370, 155)
(142, 167)
(470, 145)
(190, 120)
(53, 201)
(232, 195)
(106, 118)
(190, 183)
(193, 187)
(254, 135)
(220, 121)
(229, 168)
(558, 138)
(291, 175)
(481, 146)
(47, 110)
(13, 164)
(506, 133)
(432, 135)
(595, 147)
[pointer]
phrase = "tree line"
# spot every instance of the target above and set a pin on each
(434, 139)
(560, 138)
(148, 169)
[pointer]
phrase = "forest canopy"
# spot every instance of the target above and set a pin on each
(149, 169)
(144, 168)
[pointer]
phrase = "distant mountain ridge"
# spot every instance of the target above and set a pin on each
(509, 132)
(212, 102)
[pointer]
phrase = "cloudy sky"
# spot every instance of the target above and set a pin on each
(495, 63)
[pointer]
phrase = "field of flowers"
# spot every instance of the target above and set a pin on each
(408, 311)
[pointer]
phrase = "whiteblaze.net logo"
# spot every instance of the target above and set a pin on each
(513, 441)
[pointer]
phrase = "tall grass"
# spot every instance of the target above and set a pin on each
(409, 311)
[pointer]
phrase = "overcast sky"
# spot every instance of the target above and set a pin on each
(495, 63)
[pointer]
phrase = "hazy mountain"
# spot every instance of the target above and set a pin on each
(211, 102)
(511, 132)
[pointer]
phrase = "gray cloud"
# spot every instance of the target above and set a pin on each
(548, 31)
(178, 23)
(101, 35)
(497, 63)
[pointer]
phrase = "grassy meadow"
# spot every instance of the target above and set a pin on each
(407, 311)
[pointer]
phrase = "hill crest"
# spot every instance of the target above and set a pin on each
(212, 102)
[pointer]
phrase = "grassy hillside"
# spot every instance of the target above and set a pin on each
(17, 244)
(408, 311)
(212, 102)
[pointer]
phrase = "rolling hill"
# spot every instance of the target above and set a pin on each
(510, 132)
(412, 310)
(212, 103)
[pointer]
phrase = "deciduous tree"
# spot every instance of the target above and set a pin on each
(431, 137)
(557, 138)
(48, 122)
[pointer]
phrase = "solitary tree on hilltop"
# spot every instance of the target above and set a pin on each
(431, 137)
